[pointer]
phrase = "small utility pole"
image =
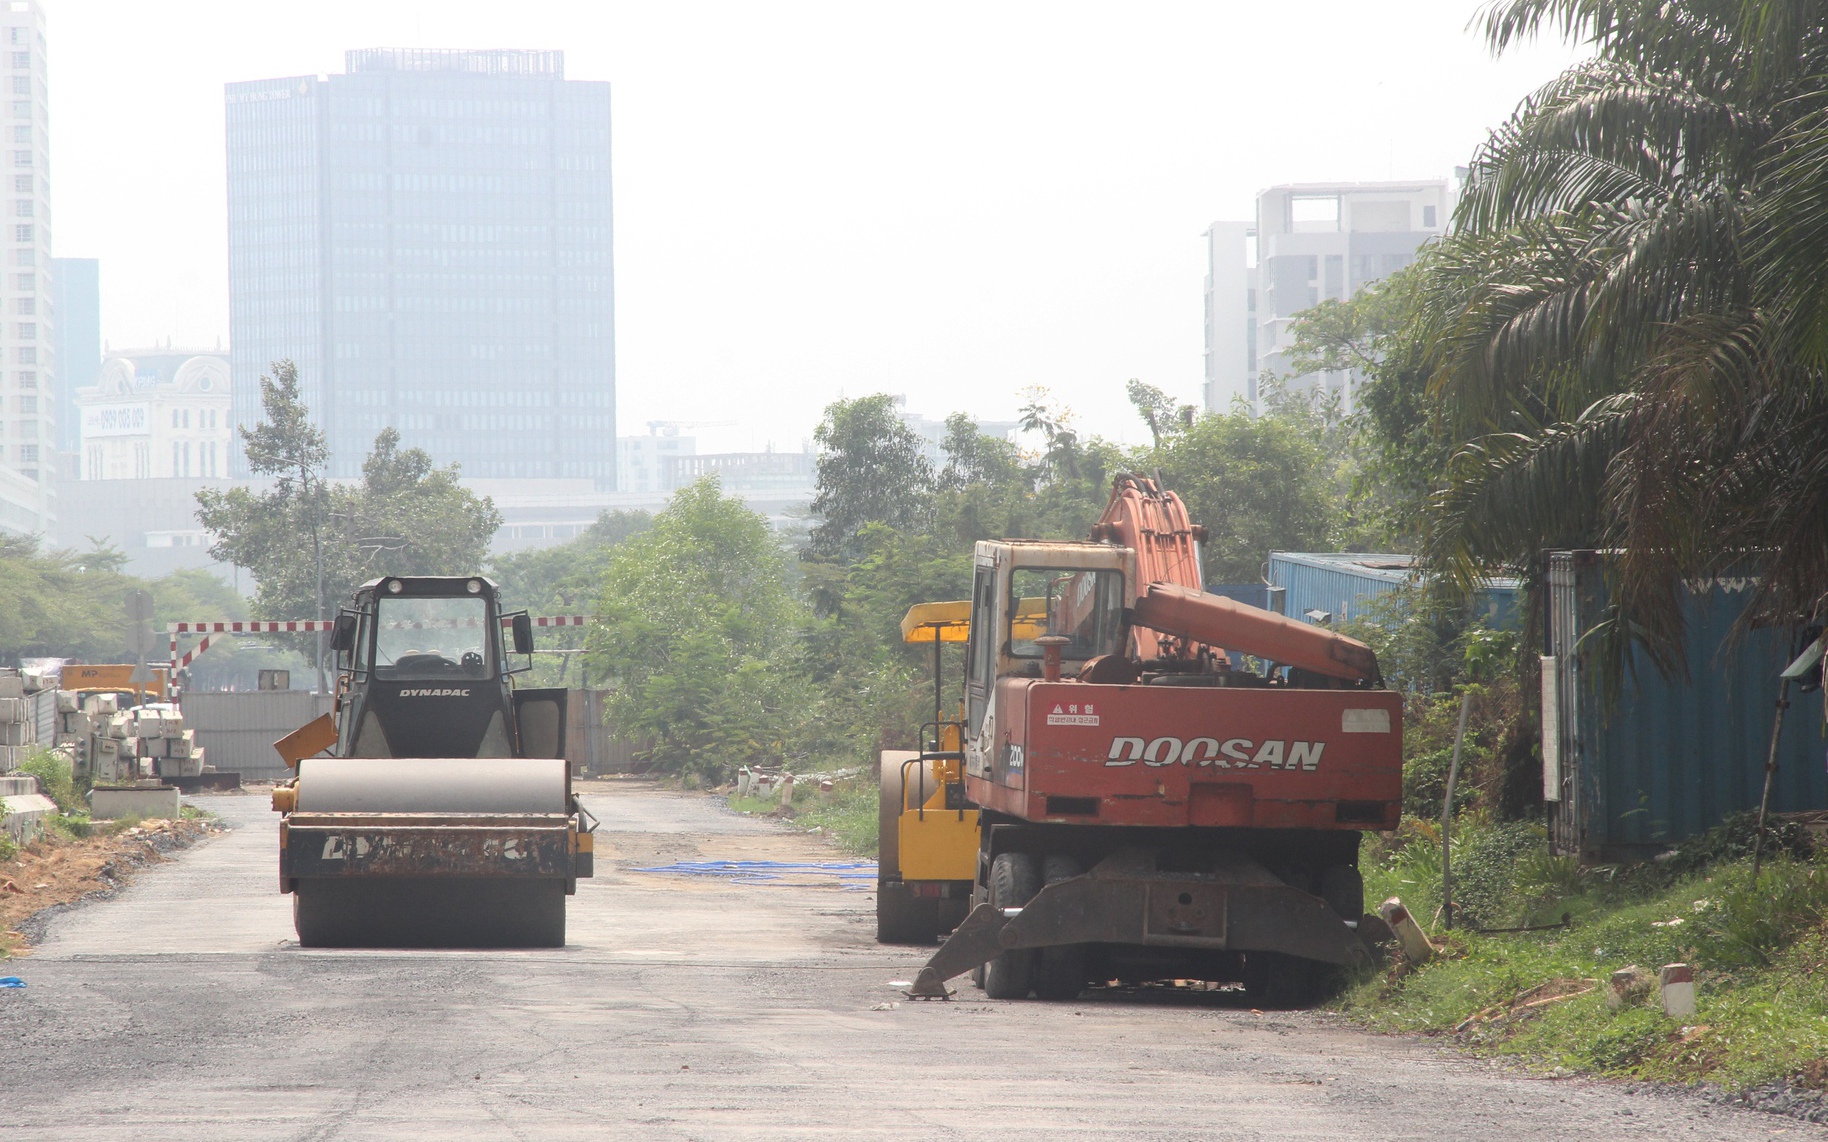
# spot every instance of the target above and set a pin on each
(1806, 664)
(1447, 815)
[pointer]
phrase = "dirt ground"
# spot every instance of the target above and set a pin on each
(49, 873)
(721, 982)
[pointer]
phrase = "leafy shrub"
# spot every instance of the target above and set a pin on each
(1485, 869)
(53, 774)
(8, 850)
(1542, 877)
(1425, 782)
(1741, 923)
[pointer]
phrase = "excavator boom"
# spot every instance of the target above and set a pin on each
(1174, 613)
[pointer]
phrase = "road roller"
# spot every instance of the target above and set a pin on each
(433, 807)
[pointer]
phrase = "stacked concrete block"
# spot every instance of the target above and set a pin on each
(162, 744)
(26, 809)
(74, 729)
(16, 730)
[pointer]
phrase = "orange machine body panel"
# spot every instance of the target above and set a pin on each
(1173, 756)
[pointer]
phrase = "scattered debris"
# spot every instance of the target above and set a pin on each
(11, 981)
(1528, 1002)
(64, 872)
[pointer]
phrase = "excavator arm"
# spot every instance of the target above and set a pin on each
(1173, 612)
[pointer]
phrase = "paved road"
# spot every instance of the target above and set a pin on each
(685, 1007)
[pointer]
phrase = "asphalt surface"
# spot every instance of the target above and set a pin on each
(688, 1006)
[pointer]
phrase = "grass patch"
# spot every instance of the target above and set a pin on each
(847, 816)
(1759, 953)
(56, 780)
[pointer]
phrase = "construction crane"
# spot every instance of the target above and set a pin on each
(1116, 798)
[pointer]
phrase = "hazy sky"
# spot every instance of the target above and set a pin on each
(948, 200)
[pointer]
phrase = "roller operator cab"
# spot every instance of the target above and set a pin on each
(443, 815)
(1137, 805)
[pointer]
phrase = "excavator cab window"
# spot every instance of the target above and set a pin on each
(427, 639)
(981, 651)
(1084, 606)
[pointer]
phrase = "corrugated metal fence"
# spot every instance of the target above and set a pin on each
(238, 730)
(1671, 758)
(1345, 585)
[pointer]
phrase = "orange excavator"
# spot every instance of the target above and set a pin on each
(1118, 799)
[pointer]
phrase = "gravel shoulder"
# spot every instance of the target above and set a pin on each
(690, 1006)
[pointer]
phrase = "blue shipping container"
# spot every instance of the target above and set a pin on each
(1334, 587)
(1671, 758)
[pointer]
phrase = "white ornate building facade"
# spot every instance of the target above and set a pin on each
(156, 413)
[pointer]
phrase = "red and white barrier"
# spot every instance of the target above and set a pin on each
(208, 628)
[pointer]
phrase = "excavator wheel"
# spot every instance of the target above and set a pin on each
(1060, 970)
(1276, 981)
(429, 912)
(1014, 880)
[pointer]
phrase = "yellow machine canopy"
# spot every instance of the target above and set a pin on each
(937, 622)
(951, 622)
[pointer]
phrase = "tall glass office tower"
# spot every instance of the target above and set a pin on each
(428, 238)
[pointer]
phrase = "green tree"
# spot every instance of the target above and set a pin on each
(1256, 483)
(565, 580)
(698, 633)
(308, 543)
(1626, 332)
(567, 577)
(1161, 412)
(287, 447)
(871, 470)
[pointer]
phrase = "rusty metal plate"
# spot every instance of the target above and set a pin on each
(426, 850)
(1186, 910)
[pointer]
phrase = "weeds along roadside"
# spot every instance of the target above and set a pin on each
(1759, 953)
(847, 816)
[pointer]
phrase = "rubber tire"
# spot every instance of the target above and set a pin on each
(1060, 970)
(1014, 880)
(904, 918)
(1276, 981)
(429, 912)
(1343, 889)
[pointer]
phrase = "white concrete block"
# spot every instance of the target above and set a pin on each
(1416, 948)
(145, 802)
(25, 815)
(1678, 986)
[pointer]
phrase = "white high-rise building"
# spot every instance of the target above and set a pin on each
(1311, 242)
(27, 371)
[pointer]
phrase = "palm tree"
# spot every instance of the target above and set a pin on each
(1628, 330)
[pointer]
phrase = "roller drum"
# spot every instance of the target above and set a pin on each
(433, 785)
